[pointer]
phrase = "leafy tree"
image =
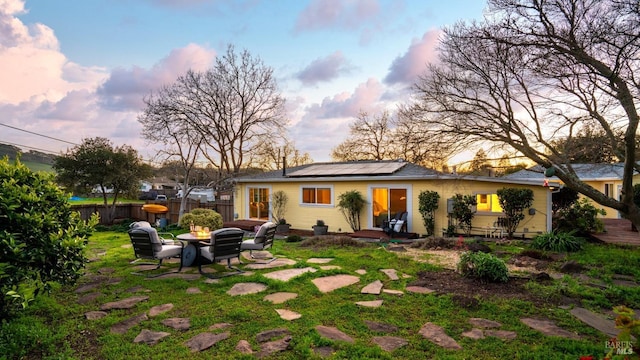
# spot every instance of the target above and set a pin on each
(480, 164)
(96, 163)
(464, 211)
(351, 204)
(42, 239)
(513, 202)
(580, 218)
(592, 145)
(563, 199)
(538, 70)
(427, 205)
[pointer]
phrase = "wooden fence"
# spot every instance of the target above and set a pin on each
(135, 212)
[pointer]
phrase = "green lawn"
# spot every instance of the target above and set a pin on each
(54, 327)
(99, 200)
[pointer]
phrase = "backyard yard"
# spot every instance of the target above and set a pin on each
(333, 297)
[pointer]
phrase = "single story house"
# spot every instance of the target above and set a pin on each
(388, 187)
(606, 178)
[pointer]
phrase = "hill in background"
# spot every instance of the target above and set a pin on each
(35, 160)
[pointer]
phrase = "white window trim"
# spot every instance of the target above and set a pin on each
(248, 199)
(369, 210)
(316, 186)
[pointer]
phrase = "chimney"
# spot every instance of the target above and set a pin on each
(284, 166)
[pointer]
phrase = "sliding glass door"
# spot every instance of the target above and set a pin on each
(386, 202)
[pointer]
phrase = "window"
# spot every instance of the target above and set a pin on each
(316, 195)
(608, 190)
(488, 203)
(259, 203)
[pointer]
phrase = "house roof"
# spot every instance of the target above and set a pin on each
(368, 170)
(585, 172)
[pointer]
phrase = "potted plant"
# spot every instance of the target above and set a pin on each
(320, 228)
(282, 227)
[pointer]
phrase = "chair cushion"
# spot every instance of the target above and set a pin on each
(259, 238)
(250, 245)
(397, 227)
(168, 251)
(138, 224)
(156, 243)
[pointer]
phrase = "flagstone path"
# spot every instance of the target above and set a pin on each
(276, 340)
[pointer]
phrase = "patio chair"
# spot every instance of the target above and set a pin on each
(161, 235)
(397, 224)
(147, 244)
(262, 240)
(224, 245)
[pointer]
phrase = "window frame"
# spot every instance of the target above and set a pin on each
(316, 187)
(609, 190)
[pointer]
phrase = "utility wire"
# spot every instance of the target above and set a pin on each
(34, 133)
(29, 147)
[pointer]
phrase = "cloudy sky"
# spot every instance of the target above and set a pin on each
(81, 70)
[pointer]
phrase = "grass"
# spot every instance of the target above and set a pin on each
(100, 201)
(54, 326)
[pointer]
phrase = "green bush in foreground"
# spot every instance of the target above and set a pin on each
(42, 239)
(202, 217)
(483, 266)
(558, 242)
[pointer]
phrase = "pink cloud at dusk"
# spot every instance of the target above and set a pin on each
(364, 98)
(351, 14)
(405, 69)
(31, 61)
(126, 88)
(324, 69)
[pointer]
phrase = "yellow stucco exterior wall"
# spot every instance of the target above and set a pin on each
(304, 216)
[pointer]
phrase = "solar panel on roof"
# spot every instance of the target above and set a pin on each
(349, 169)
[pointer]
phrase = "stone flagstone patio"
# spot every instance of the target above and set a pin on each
(276, 340)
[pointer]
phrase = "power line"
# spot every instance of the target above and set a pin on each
(35, 133)
(29, 147)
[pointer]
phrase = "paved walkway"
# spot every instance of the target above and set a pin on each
(618, 232)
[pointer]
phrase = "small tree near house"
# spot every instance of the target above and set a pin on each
(464, 211)
(279, 201)
(513, 202)
(427, 205)
(351, 204)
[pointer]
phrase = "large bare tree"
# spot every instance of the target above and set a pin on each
(538, 70)
(163, 123)
(385, 137)
(270, 154)
(232, 108)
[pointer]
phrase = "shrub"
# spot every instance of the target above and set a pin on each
(464, 211)
(42, 239)
(293, 238)
(202, 217)
(557, 241)
(279, 200)
(483, 266)
(351, 204)
(581, 217)
(427, 205)
(513, 202)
